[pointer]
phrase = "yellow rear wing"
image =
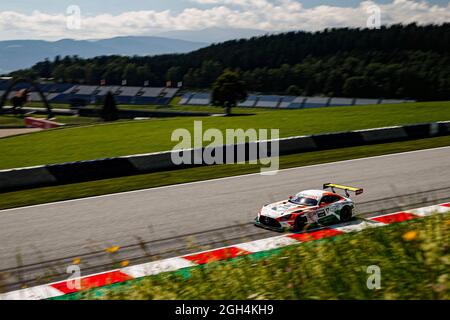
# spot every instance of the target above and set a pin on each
(333, 186)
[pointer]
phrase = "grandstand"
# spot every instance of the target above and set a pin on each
(287, 102)
(148, 95)
(360, 102)
(103, 90)
(185, 98)
(126, 95)
(56, 87)
(269, 101)
(67, 93)
(34, 96)
(297, 103)
(316, 102)
(335, 102)
(167, 95)
(84, 90)
(200, 99)
(250, 102)
(170, 92)
(393, 101)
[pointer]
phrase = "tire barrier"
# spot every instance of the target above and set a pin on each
(41, 111)
(131, 114)
(26, 178)
(91, 170)
(383, 134)
(82, 171)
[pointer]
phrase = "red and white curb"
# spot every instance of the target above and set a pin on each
(172, 264)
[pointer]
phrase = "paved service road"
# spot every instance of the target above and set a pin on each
(13, 132)
(71, 228)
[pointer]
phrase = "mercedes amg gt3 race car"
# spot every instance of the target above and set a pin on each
(309, 208)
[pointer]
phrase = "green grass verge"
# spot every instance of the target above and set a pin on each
(11, 121)
(413, 258)
(134, 137)
(107, 186)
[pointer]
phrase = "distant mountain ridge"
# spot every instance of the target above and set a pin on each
(213, 35)
(19, 54)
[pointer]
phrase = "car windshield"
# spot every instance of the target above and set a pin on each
(304, 201)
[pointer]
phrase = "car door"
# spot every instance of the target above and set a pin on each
(328, 207)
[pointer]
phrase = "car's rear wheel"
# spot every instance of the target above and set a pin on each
(346, 214)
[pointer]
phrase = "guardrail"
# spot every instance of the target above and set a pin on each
(66, 173)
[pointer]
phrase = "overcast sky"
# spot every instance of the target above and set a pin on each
(48, 19)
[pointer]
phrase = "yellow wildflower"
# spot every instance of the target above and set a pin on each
(113, 249)
(410, 235)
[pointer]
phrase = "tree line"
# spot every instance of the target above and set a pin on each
(398, 61)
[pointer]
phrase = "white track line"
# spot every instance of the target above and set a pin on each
(221, 179)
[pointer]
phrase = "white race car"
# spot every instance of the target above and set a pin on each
(309, 208)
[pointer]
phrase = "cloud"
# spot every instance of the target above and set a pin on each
(275, 15)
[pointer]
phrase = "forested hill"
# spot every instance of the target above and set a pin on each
(398, 61)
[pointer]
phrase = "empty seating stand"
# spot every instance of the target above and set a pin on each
(148, 95)
(123, 94)
(65, 93)
(250, 102)
(200, 99)
(126, 95)
(169, 93)
(268, 101)
(297, 103)
(394, 101)
(185, 98)
(34, 96)
(286, 102)
(84, 90)
(337, 102)
(316, 102)
(86, 93)
(363, 102)
(103, 90)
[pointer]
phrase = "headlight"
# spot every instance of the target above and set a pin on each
(286, 217)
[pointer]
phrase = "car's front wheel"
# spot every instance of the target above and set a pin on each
(346, 214)
(299, 224)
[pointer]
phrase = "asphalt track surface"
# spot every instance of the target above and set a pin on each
(169, 221)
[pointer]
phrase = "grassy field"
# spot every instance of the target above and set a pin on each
(151, 180)
(413, 258)
(10, 121)
(131, 137)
